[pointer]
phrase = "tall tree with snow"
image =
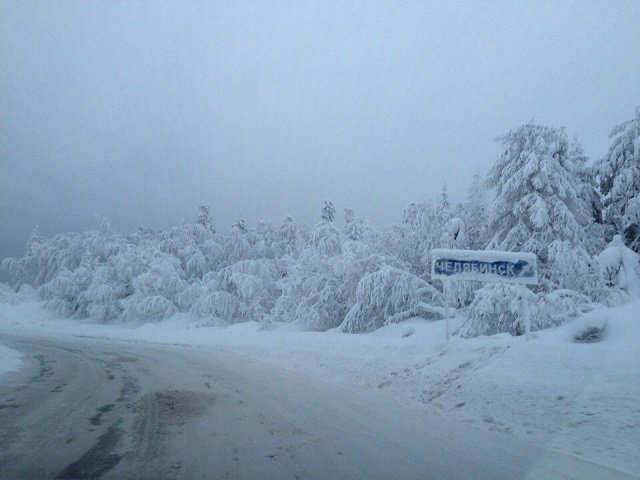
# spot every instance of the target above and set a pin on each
(474, 211)
(618, 175)
(328, 212)
(588, 192)
(444, 206)
(537, 193)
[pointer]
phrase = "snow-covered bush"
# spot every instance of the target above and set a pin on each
(163, 277)
(324, 307)
(311, 292)
(61, 293)
(148, 309)
(318, 290)
(188, 297)
(391, 295)
(461, 294)
(218, 307)
(44, 258)
(101, 300)
(620, 267)
(253, 284)
(497, 308)
(556, 307)
(357, 260)
(63, 286)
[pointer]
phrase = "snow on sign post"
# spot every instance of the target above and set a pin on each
(485, 266)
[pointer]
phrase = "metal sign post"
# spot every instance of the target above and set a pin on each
(445, 292)
(486, 266)
(524, 308)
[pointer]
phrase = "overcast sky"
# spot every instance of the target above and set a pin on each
(140, 111)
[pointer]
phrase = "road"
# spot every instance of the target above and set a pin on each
(87, 407)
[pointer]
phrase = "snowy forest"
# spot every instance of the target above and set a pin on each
(580, 216)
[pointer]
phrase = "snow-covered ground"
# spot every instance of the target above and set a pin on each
(578, 398)
(9, 360)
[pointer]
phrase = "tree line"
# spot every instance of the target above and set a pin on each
(542, 195)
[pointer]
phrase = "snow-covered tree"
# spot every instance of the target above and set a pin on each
(588, 192)
(537, 196)
(474, 211)
(443, 208)
(24, 270)
(35, 239)
(358, 259)
(618, 175)
(252, 283)
(326, 239)
(328, 212)
(354, 228)
(101, 299)
(587, 187)
(204, 217)
(412, 240)
(290, 236)
(236, 245)
(264, 241)
(312, 294)
(154, 308)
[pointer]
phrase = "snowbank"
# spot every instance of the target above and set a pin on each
(9, 360)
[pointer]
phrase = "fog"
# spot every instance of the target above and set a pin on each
(140, 111)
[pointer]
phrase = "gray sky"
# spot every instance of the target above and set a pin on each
(139, 111)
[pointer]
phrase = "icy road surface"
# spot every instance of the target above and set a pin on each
(95, 408)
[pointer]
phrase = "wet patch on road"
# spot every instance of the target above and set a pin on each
(45, 368)
(97, 418)
(98, 460)
(129, 389)
(158, 413)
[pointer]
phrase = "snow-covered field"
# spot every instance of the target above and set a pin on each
(578, 398)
